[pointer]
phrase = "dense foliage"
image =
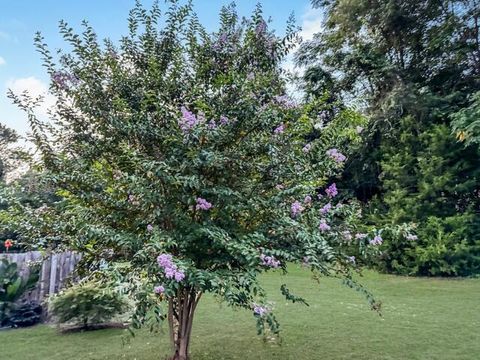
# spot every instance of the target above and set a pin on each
(24, 204)
(10, 152)
(86, 304)
(414, 65)
(13, 286)
(184, 167)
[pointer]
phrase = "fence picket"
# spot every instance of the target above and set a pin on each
(53, 274)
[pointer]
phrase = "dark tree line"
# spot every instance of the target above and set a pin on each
(414, 67)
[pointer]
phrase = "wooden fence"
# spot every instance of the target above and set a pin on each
(54, 272)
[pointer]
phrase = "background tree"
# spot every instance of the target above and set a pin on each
(10, 152)
(184, 168)
(413, 66)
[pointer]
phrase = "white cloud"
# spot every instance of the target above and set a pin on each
(311, 23)
(2, 61)
(35, 88)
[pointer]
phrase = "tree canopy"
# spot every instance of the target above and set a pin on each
(185, 168)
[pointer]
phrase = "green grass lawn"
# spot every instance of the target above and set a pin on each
(422, 319)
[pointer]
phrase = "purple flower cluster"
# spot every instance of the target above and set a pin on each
(377, 240)
(132, 199)
(149, 227)
(412, 237)
(325, 209)
(296, 208)
(159, 289)
(324, 226)
(307, 148)
(221, 43)
(279, 130)
(360, 236)
(285, 101)
(269, 261)
(336, 155)
(203, 204)
(261, 27)
(188, 120)
(332, 190)
(307, 200)
(351, 259)
(212, 124)
(64, 79)
(171, 270)
(224, 120)
(260, 310)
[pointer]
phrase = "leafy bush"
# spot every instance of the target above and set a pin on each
(87, 304)
(12, 287)
(436, 247)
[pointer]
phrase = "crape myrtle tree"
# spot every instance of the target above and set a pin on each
(185, 169)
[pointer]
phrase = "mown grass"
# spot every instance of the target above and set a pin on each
(422, 319)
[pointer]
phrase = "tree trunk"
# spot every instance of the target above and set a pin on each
(180, 319)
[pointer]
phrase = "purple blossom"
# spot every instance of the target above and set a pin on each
(347, 235)
(260, 310)
(279, 130)
(188, 120)
(324, 226)
(171, 270)
(412, 237)
(269, 261)
(164, 260)
(159, 289)
(336, 155)
(296, 208)
(332, 191)
(325, 209)
(307, 148)
(224, 120)
(203, 204)
(212, 124)
(351, 259)
(132, 199)
(279, 187)
(223, 38)
(323, 115)
(149, 227)
(360, 236)
(307, 200)
(377, 240)
(179, 276)
(63, 79)
(285, 101)
(261, 27)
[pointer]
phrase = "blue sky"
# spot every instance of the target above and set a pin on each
(20, 65)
